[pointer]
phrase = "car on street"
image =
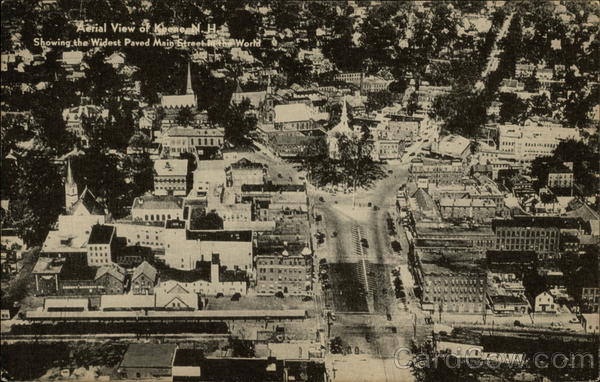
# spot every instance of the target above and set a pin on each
(574, 320)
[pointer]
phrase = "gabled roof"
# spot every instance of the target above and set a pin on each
(189, 300)
(149, 356)
(89, 202)
(113, 270)
(145, 269)
(292, 113)
(178, 101)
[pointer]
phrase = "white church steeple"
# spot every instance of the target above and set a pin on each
(71, 194)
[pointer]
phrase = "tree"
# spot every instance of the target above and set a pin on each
(210, 220)
(243, 24)
(356, 162)
(532, 84)
(379, 100)
(238, 123)
(185, 117)
(540, 105)
(102, 174)
(40, 196)
(413, 103)
(462, 111)
(513, 109)
(336, 345)
(321, 170)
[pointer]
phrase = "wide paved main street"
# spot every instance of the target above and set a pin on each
(368, 317)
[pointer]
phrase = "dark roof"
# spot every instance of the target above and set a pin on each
(247, 369)
(245, 163)
(520, 257)
(188, 357)
(73, 270)
(176, 223)
(101, 234)
(541, 221)
(238, 369)
(219, 235)
(507, 300)
(273, 188)
(559, 168)
(149, 356)
(90, 203)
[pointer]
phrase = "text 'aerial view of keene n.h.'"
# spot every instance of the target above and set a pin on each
(307, 191)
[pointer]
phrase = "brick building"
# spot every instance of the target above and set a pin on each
(535, 233)
(456, 289)
(111, 278)
(437, 171)
(289, 274)
(143, 279)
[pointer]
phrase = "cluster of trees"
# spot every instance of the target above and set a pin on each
(585, 162)
(516, 110)
(353, 167)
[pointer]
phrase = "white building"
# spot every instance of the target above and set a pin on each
(544, 303)
(184, 248)
(179, 140)
(100, 245)
(152, 208)
(590, 323)
(226, 282)
(170, 177)
(530, 142)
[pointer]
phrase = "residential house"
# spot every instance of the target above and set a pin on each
(111, 278)
(75, 116)
(544, 303)
(144, 279)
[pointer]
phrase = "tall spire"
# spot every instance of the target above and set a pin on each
(269, 89)
(344, 116)
(188, 89)
(71, 195)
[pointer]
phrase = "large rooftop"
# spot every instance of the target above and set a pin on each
(101, 234)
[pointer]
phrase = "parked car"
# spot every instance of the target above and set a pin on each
(574, 320)
(364, 242)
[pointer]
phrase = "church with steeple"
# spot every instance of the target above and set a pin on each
(180, 101)
(341, 129)
(84, 204)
